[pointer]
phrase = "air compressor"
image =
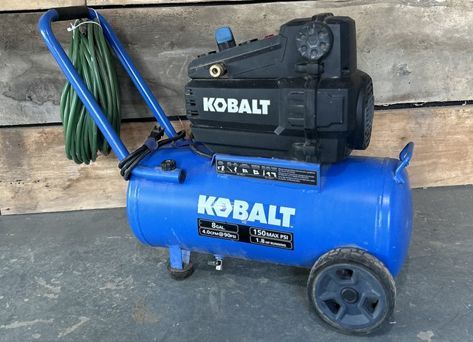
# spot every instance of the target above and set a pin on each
(267, 174)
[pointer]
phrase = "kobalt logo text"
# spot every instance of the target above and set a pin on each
(241, 210)
(243, 106)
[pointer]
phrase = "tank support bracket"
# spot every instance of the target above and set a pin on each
(178, 257)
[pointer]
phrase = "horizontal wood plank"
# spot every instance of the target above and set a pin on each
(21, 5)
(443, 137)
(416, 51)
(149, 2)
(35, 175)
(334, 3)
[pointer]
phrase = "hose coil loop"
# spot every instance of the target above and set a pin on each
(91, 56)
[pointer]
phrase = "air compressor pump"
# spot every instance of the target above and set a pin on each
(296, 95)
(267, 175)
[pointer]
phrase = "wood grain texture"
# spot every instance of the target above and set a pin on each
(443, 137)
(35, 176)
(334, 3)
(21, 5)
(149, 2)
(416, 51)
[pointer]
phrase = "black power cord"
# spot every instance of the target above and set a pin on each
(195, 147)
(151, 144)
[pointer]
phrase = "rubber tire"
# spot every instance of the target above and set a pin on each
(365, 260)
(180, 274)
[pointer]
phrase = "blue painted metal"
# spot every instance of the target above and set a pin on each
(135, 76)
(178, 257)
(223, 35)
(359, 204)
(158, 175)
(86, 97)
(405, 158)
(76, 81)
(175, 257)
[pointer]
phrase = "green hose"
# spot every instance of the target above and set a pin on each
(90, 55)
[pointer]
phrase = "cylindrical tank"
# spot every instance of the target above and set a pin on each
(358, 202)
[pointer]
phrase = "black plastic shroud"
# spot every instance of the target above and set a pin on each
(296, 95)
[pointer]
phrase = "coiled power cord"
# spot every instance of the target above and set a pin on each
(91, 56)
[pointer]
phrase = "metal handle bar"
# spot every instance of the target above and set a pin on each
(77, 83)
(72, 12)
(404, 159)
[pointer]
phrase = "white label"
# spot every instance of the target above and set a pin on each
(243, 106)
(242, 210)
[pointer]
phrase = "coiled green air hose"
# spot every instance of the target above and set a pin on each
(90, 55)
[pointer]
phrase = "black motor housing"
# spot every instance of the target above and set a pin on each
(296, 95)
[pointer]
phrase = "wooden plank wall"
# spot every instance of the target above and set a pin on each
(22, 5)
(35, 176)
(19, 5)
(150, 2)
(416, 52)
(419, 55)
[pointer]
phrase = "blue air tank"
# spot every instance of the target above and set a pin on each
(359, 202)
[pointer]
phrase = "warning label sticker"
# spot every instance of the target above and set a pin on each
(247, 234)
(268, 172)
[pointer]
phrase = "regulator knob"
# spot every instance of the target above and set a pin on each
(314, 41)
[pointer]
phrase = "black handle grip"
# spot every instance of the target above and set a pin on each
(73, 12)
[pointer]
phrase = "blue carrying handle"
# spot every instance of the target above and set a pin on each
(404, 159)
(77, 83)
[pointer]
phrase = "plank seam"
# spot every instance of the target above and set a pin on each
(173, 4)
(172, 118)
(432, 104)
(198, 4)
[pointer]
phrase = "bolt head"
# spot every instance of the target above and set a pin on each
(168, 165)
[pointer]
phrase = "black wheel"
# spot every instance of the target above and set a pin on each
(351, 291)
(178, 274)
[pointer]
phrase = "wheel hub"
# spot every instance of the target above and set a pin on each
(349, 295)
(351, 291)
